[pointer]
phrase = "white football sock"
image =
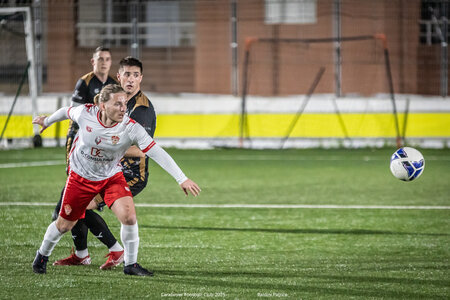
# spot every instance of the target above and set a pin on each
(116, 247)
(51, 238)
(130, 240)
(82, 253)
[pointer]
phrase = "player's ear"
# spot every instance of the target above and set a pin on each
(118, 76)
(92, 61)
(97, 99)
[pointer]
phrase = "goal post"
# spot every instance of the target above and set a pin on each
(250, 43)
(5, 14)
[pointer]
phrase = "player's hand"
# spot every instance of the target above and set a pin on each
(40, 121)
(190, 186)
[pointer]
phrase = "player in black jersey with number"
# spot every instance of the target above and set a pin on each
(134, 168)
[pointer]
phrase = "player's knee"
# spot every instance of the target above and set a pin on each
(64, 225)
(129, 219)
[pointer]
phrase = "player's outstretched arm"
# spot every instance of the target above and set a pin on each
(39, 120)
(59, 115)
(134, 151)
(190, 186)
(162, 158)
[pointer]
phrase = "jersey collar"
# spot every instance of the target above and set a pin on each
(101, 123)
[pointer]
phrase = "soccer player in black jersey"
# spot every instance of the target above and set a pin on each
(89, 85)
(140, 109)
(134, 168)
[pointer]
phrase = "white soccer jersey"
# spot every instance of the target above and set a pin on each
(98, 149)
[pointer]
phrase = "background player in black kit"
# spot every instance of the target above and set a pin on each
(134, 168)
(89, 85)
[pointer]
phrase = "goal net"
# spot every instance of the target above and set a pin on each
(17, 75)
(311, 93)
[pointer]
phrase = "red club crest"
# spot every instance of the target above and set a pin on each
(115, 139)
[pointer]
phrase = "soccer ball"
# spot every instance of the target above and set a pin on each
(407, 164)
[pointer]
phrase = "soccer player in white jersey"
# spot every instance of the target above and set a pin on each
(105, 134)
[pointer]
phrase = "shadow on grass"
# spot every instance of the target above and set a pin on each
(368, 279)
(293, 231)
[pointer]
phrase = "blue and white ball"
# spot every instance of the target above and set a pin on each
(407, 164)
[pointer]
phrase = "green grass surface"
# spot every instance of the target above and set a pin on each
(247, 253)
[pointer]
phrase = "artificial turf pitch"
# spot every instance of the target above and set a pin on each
(244, 252)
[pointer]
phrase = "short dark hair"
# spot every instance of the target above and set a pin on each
(100, 49)
(130, 61)
(105, 93)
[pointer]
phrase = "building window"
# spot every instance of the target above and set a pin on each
(164, 27)
(291, 11)
(169, 23)
(432, 25)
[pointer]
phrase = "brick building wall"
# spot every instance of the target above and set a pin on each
(397, 19)
(61, 46)
(166, 70)
(277, 69)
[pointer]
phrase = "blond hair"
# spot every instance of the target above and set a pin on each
(105, 93)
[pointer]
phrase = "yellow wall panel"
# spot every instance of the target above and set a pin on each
(269, 125)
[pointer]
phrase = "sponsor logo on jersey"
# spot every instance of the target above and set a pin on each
(89, 129)
(96, 155)
(67, 209)
(115, 139)
(127, 189)
(96, 152)
(96, 91)
(98, 140)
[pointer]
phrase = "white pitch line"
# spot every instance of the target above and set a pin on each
(32, 164)
(235, 158)
(297, 158)
(323, 206)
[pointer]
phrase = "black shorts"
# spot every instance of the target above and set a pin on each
(135, 171)
(136, 186)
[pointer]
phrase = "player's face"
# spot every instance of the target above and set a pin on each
(130, 78)
(101, 62)
(115, 108)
